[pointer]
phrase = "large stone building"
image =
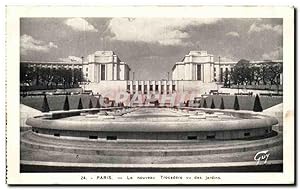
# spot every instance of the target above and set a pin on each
(105, 73)
(200, 66)
(105, 65)
(197, 65)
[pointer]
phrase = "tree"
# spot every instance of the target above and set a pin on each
(276, 70)
(236, 105)
(271, 73)
(257, 105)
(257, 75)
(66, 104)
(45, 106)
(46, 76)
(204, 103)
(212, 104)
(80, 104)
(78, 76)
(56, 76)
(37, 72)
(226, 79)
(68, 77)
(26, 74)
(222, 104)
(35, 76)
(241, 73)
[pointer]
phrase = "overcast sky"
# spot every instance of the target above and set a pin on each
(150, 46)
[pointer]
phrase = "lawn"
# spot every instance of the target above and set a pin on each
(56, 102)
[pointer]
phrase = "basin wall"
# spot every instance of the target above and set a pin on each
(190, 136)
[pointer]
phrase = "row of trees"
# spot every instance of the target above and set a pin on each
(244, 73)
(39, 76)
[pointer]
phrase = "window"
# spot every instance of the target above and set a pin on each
(192, 137)
(86, 74)
(162, 89)
(156, 87)
(173, 87)
(128, 87)
(247, 134)
(111, 137)
(198, 72)
(93, 137)
(210, 136)
(56, 134)
(87, 69)
(140, 88)
(102, 72)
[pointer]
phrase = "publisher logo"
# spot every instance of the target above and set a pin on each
(262, 157)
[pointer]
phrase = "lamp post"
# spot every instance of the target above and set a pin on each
(73, 74)
(219, 74)
(219, 69)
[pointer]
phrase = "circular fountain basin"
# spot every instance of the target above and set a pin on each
(157, 124)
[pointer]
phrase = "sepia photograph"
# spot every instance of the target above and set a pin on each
(163, 98)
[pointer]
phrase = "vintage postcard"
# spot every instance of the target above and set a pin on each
(150, 95)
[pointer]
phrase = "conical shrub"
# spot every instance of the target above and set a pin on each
(236, 105)
(66, 104)
(80, 104)
(204, 103)
(45, 106)
(90, 104)
(212, 106)
(222, 104)
(257, 105)
(187, 104)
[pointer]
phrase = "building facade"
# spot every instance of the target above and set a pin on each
(200, 66)
(104, 72)
(197, 65)
(106, 65)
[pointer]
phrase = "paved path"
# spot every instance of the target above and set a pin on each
(52, 156)
(277, 112)
(25, 113)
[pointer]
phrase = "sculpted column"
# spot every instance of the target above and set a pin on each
(142, 83)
